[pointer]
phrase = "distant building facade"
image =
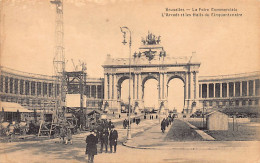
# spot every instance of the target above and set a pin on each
(33, 91)
(42, 92)
(230, 91)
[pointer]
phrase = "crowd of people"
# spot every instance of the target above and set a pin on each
(166, 122)
(104, 134)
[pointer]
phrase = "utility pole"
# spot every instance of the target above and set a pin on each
(59, 55)
(124, 30)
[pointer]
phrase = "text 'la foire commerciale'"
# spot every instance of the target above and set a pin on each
(201, 12)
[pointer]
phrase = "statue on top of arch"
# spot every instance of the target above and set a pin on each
(151, 39)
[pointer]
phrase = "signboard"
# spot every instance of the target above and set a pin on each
(73, 100)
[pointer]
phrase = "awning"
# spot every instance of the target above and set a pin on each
(92, 112)
(13, 107)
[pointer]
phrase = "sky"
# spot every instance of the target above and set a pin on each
(92, 30)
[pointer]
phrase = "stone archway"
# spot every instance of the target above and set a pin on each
(173, 97)
(150, 62)
(147, 79)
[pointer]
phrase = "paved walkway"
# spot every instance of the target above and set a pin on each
(153, 138)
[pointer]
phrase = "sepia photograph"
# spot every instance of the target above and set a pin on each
(129, 81)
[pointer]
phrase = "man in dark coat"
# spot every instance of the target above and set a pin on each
(104, 139)
(110, 124)
(163, 124)
(125, 123)
(91, 148)
(113, 138)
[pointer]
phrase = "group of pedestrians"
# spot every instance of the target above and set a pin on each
(166, 122)
(105, 133)
(65, 135)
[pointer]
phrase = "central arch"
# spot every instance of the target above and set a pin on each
(151, 62)
(176, 94)
(150, 93)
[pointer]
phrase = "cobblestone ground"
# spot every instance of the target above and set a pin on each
(51, 151)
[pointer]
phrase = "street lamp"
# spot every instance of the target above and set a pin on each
(124, 30)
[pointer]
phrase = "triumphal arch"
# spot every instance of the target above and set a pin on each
(150, 62)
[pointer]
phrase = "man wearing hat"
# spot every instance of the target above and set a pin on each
(91, 148)
(113, 138)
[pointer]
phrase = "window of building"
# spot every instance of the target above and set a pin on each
(231, 90)
(6, 84)
(1, 83)
(237, 102)
(217, 90)
(44, 88)
(224, 89)
(257, 87)
(33, 88)
(39, 88)
(11, 85)
(27, 87)
(204, 90)
(50, 89)
(16, 86)
(21, 87)
(211, 90)
(244, 102)
(244, 88)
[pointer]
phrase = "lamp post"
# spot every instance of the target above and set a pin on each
(203, 114)
(124, 30)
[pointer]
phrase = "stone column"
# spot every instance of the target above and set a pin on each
(135, 87)
(110, 87)
(18, 86)
(192, 85)
(253, 88)
(90, 91)
(115, 87)
(186, 89)
(196, 88)
(200, 90)
(220, 90)
(160, 85)
(139, 86)
(9, 85)
(105, 87)
(164, 86)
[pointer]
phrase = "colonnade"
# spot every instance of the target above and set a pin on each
(236, 92)
(112, 87)
(33, 92)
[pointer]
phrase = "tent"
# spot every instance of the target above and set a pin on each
(12, 111)
(13, 107)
